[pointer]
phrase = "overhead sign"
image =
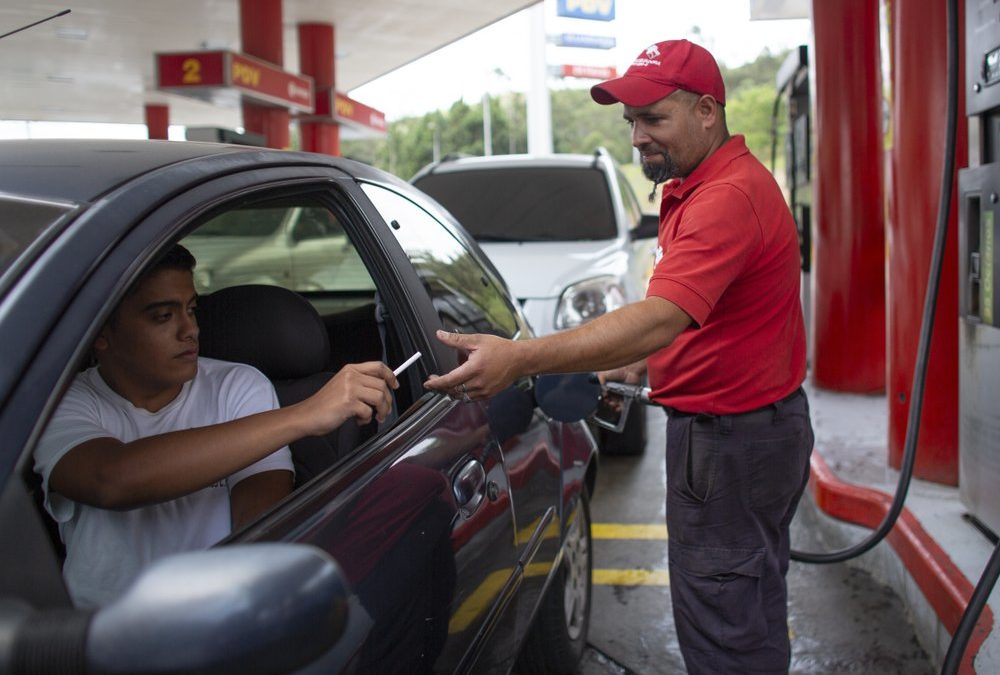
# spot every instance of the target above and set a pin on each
(353, 113)
(586, 41)
(589, 72)
(204, 74)
(595, 10)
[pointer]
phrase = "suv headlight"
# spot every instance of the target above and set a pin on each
(588, 300)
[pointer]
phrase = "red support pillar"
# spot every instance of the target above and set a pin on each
(260, 32)
(918, 120)
(316, 59)
(157, 121)
(849, 242)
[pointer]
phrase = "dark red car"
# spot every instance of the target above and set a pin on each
(455, 537)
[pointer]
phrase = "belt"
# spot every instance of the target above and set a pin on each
(674, 412)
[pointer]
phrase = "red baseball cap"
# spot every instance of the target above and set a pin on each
(659, 71)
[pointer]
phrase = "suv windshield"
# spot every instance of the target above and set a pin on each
(526, 204)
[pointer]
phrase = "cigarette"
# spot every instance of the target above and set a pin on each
(406, 364)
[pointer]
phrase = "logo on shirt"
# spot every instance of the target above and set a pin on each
(657, 256)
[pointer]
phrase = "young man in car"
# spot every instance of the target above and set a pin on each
(722, 328)
(155, 451)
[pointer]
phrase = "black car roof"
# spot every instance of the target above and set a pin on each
(82, 170)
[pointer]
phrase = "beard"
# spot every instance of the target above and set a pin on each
(661, 172)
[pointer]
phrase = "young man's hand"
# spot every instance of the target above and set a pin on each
(360, 390)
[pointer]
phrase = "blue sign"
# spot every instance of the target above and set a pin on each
(586, 41)
(595, 10)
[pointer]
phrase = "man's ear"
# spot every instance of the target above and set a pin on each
(101, 342)
(708, 110)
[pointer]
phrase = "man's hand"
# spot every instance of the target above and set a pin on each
(630, 374)
(489, 369)
(361, 390)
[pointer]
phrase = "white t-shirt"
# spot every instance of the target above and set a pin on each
(106, 550)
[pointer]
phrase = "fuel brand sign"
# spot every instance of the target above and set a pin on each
(203, 74)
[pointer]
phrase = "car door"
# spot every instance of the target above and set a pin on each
(420, 517)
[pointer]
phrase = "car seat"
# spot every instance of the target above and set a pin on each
(281, 334)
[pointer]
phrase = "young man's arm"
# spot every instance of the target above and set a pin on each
(616, 339)
(107, 473)
(257, 493)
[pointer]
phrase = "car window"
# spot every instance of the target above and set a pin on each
(463, 294)
(23, 221)
(633, 212)
(296, 244)
(526, 203)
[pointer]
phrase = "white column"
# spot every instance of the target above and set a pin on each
(487, 126)
(539, 105)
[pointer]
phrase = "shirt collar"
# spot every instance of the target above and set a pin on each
(727, 152)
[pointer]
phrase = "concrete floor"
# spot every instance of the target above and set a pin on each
(841, 620)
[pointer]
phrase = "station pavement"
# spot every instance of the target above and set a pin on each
(841, 618)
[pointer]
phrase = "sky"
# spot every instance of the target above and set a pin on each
(471, 64)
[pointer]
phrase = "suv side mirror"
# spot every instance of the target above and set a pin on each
(648, 227)
(263, 608)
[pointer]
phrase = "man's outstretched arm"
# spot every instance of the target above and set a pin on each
(616, 339)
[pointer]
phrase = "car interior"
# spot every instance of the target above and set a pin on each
(298, 338)
(315, 309)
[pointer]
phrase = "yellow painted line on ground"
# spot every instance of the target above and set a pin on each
(624, 531)
(611, 577)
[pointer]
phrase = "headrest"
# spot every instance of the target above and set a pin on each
(270, 328)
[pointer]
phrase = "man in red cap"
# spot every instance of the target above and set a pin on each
(721, 336)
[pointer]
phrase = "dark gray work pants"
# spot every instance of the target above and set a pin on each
(733, 483)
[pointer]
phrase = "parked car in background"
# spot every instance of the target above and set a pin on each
(566, 233)
(451, 538)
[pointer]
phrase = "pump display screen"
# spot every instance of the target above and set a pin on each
(991, 66)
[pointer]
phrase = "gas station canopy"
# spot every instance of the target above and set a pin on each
(97, 63)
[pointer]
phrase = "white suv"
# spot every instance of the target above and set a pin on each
(565, 231)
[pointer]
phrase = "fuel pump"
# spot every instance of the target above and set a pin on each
(978, 256)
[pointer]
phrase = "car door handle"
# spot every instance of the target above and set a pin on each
(469, 486)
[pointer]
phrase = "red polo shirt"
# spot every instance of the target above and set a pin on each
(728, 256)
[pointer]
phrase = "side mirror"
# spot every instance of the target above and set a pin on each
(648, 227)
(568, 397)
(262, 608)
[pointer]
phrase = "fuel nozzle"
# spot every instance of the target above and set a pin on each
(616, 400)
(635, 392)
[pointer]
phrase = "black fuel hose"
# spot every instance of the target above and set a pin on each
(927, 323)
(960, 639)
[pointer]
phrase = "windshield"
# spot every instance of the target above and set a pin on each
(526, 204)
(24, 220)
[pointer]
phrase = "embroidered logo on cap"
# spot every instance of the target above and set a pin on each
(652, 52)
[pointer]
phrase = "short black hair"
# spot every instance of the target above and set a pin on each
(174, 258)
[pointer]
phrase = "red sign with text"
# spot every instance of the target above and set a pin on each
(348, 110)
(590, 72)
(200, 73)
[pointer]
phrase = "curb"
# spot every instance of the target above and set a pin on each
(941, 582)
